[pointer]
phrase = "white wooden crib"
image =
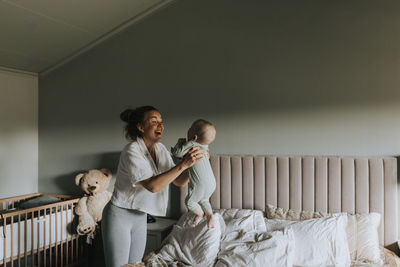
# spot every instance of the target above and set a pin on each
(40, 236)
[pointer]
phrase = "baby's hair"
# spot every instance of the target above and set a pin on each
(198, 126)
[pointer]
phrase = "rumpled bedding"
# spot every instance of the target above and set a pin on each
(391, 260)
(239, 248)
(238, 239)
(194, 246)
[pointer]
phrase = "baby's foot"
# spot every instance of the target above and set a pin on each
(210, 221)
(196, 220)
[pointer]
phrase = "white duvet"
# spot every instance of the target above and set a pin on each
(195, 246)
(256, 249)
(238, 239)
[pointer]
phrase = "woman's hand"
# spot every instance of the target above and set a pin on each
(192, 157)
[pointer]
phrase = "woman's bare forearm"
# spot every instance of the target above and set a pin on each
(156, 183)
(182, 179)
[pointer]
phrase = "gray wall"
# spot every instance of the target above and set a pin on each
(276, 77)
(18, 133)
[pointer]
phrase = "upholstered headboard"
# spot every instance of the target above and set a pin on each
(326, 184)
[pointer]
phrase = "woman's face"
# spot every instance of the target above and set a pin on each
(152, 126)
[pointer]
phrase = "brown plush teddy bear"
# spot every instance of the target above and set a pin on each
(90, 207)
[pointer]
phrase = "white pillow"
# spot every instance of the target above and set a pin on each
(190, 245)
(318, 242)
(362, 231)
(244, 249)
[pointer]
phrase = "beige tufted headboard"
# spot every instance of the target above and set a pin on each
(327, 184)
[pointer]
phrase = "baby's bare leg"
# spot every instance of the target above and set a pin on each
(210, 219)
(199, 215)
(206, 206)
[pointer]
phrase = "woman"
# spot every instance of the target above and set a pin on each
(144, 172)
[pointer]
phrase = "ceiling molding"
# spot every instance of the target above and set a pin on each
(121, 27)
(6, 69)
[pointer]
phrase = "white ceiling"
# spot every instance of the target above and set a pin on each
(38, 36)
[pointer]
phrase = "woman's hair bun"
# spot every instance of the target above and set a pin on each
(126, 115)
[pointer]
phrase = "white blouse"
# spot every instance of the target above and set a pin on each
(135, 165)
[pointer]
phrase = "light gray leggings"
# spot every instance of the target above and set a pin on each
(124, 235)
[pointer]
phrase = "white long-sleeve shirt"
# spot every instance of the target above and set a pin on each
(135, 165)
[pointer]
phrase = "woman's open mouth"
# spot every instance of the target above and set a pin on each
(158, 133)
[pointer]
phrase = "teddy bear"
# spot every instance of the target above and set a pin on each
(90, 207)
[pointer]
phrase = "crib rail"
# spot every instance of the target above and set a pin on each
(40, 236)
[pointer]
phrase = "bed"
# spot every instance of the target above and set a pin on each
(38, 234)
(314, 184)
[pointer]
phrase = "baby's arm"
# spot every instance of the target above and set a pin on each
(181, 148)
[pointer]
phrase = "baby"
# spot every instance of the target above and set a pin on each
(202, 180)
